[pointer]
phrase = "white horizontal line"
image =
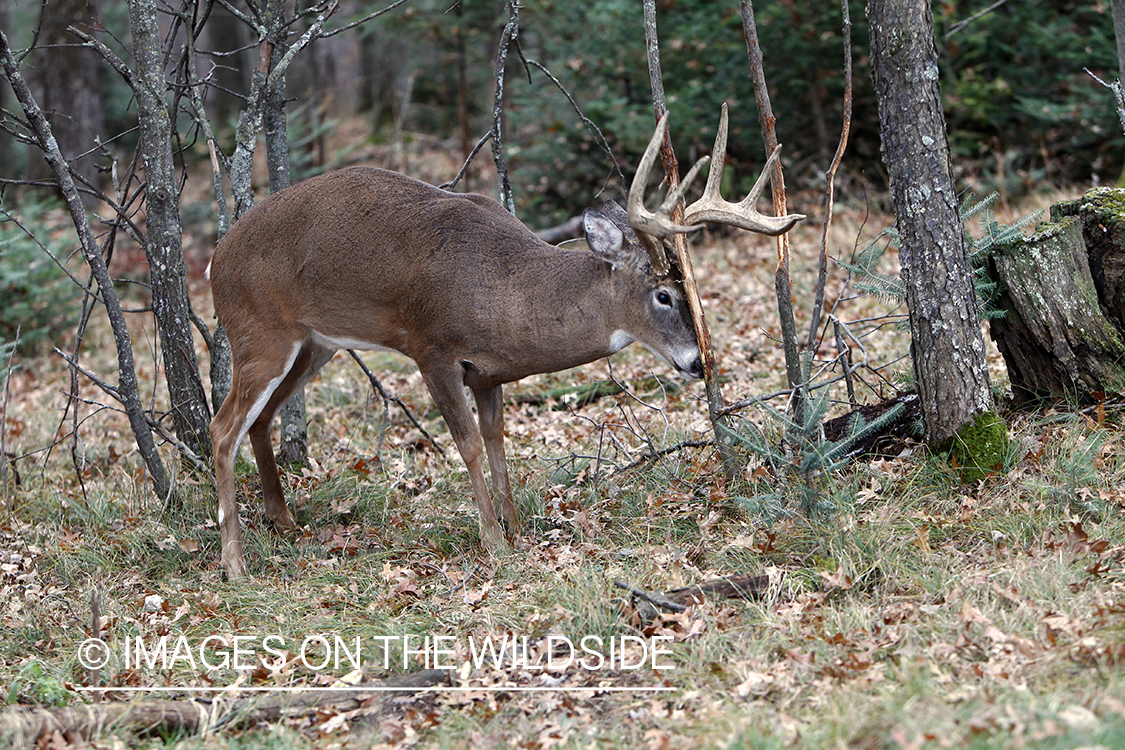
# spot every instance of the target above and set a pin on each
(367, 689)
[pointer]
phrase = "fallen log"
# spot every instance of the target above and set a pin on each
(891, 435)
(584, 394)
(23, 727)
(570, 229)
(738, 586)
(742, 586)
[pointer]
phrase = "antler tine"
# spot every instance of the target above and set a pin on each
(712, 207)
(718, 158)
(658, 223)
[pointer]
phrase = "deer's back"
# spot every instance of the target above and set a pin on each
(368, 251)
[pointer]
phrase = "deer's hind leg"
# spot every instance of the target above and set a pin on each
(254, 381)
(251, 403)
(309, 360)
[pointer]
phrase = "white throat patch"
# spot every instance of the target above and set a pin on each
(619, 340)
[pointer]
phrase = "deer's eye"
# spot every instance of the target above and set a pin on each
(664, 298)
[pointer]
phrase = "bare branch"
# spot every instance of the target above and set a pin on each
(679, 244)
(1118, 94)
(782, 285)
(507, 38)
(389, 397)
(962, 24)
(376, 698)
(578, 110)
(650, 596)
(7, 372)
(204, 123)
(654, 455)
(126, 368)
(830, 178)
(46, 250)
(468, 160)
(363, 20)
(313, 32)
(198, 464)
(107, 54)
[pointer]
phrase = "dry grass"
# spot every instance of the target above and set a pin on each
(920, 612)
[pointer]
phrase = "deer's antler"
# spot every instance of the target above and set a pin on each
(711, 206)
(658, 224)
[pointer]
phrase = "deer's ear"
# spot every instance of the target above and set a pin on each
(606, 241)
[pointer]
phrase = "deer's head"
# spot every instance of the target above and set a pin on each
(654, 312)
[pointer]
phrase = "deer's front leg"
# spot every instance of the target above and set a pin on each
(490, 409)
(447, 387)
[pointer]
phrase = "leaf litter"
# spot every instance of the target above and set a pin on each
(924, 614)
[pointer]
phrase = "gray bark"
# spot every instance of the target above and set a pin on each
(1119, 33)
(1063, 332)
(294, 444)
(70, 86)
(250, 123)
(510, 36)
(947, 344)
(163, 241)
(218, 344)
(241, 165)
(1118, 86)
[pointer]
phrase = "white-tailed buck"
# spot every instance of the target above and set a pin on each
(363, 258)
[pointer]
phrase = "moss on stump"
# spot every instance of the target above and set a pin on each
(980, 447)
(1063, 332)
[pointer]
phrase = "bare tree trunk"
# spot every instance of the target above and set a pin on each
(163, 242)
(508, 37)
(795, 373)
(947, 344)
(70, 86)
(830, 181)
(294, 444)
(715, 404)
(241, 164)
(1119, 33)
(250, 123)
(366, 703)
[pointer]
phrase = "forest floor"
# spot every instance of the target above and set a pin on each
(903, 609)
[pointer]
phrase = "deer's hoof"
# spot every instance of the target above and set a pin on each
(234, 566)
(496, 544)
(283, 521)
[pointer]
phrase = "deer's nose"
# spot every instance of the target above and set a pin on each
(694, 368)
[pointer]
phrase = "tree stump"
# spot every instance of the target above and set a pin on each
(1102, 211)
(1063, 331)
